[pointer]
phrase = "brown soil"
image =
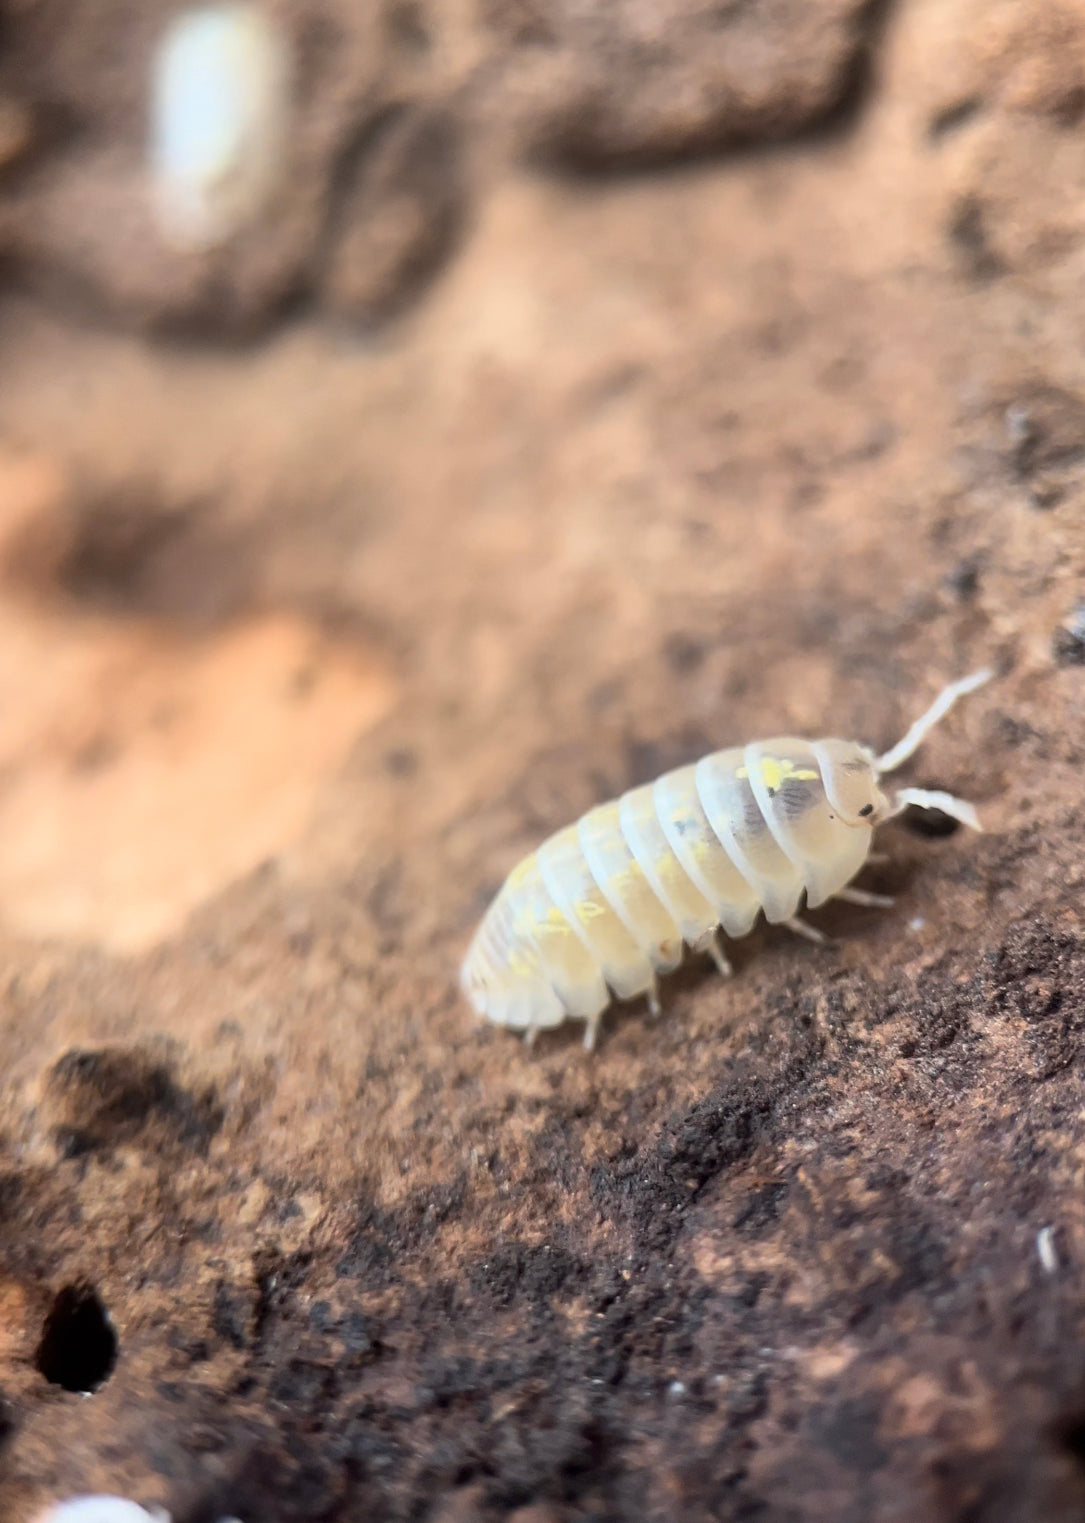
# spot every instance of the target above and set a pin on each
(603, 403)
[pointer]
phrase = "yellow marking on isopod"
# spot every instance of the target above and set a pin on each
(624, 879)
(588, 909)
(553, 923)
(521, 965)
(774, 770)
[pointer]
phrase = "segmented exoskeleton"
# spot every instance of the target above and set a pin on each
(605, 906)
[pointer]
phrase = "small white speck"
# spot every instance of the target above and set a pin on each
(676, 1388)
(916, 923)
(1045, 1248)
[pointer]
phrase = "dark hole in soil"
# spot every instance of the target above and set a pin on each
(1070, 1436)
(931, 823)
(78, 1346)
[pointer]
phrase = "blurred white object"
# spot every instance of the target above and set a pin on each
(105, 1510)
(101, 1510)
(219, 122)
(1045, 1247)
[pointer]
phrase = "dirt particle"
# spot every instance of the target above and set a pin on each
(683, 653)
(761, 1207)
(601, 87)
(232, 1314)
(533, 1272)
(17, 133)
(849, 1432)
(301, 1384)
(970, 236)
(952, 118)
(964, 580)
(1069, 642)
(1046, 430)
(105, 1096)
(131, 549)
(401, 762)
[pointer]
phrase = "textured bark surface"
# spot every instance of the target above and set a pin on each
(303, 644)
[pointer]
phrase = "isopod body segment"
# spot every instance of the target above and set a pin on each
(606, 905)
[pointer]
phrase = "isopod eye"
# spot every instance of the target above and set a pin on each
(866, 811)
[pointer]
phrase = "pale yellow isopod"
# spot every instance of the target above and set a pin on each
(608, 904)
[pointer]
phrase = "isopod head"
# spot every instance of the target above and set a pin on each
(850, 775)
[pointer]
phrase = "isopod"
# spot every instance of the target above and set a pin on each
(605, 906)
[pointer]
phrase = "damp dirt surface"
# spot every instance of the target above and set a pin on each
(595, 401)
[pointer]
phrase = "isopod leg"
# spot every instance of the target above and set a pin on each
(807, 932)
(530, 1033)
(869, 901)
(718, 956)
(591, 1031)
(652, 993)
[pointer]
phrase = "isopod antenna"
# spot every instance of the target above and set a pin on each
(926, 798)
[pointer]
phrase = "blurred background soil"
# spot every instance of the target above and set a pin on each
(614, 382)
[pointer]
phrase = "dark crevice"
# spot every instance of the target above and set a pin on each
(932, 824)
(1070, 1437)
(78, 1346)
